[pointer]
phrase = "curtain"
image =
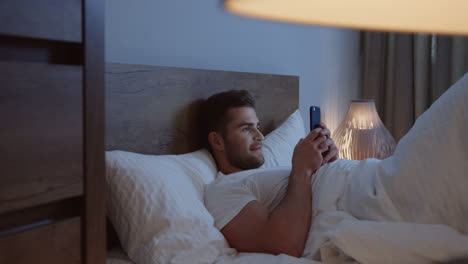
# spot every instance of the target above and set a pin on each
(406, 73)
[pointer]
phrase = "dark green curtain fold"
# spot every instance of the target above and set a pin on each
(406, 73)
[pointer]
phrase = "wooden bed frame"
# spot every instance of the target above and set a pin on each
(152, 109)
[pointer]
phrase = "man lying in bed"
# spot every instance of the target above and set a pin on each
(230, 129)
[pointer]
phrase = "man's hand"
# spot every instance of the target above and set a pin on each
(331, 152)
(308, 156)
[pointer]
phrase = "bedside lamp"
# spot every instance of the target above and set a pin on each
(362, 134)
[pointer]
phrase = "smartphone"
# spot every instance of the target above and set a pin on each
(314, 114)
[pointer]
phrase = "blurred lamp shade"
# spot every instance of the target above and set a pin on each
(436, 16)
(362, 134)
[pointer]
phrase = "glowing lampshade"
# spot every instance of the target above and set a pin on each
(434, 16)
(362, 134)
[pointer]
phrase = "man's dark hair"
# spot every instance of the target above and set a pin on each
(213, 111)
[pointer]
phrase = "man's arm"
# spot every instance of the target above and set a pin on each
(285, 229)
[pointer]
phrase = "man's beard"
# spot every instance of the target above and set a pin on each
(245, 162)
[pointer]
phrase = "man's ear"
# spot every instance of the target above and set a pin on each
(216, 141)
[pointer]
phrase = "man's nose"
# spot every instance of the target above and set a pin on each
(258, 135)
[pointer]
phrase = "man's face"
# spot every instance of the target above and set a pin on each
(242, 139)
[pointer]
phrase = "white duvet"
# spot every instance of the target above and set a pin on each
(410, 208)
(363, 225)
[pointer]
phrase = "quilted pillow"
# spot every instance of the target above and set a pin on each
(156, 205)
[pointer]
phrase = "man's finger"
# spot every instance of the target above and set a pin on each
(326, 144)
(335, 157)
(332, 155)
(313, 134)
(318, 141)
(322, 125)
(325, 132)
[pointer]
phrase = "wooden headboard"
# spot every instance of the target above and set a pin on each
(152, 109)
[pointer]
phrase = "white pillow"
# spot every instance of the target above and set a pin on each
(156, 206)
(278, 146)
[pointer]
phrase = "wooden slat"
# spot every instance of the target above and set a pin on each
(94, 221)
(41, 132)
(56, 243)
(37, 50)
(46, 19)
(67, 208)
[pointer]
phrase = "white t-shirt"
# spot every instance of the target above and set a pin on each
(228, 194)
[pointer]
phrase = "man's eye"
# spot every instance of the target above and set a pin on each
(246, 129)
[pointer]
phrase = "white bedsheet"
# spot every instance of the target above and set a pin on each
(117, 256)
(258, 258)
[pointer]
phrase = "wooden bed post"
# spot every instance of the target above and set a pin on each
(93, 224)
